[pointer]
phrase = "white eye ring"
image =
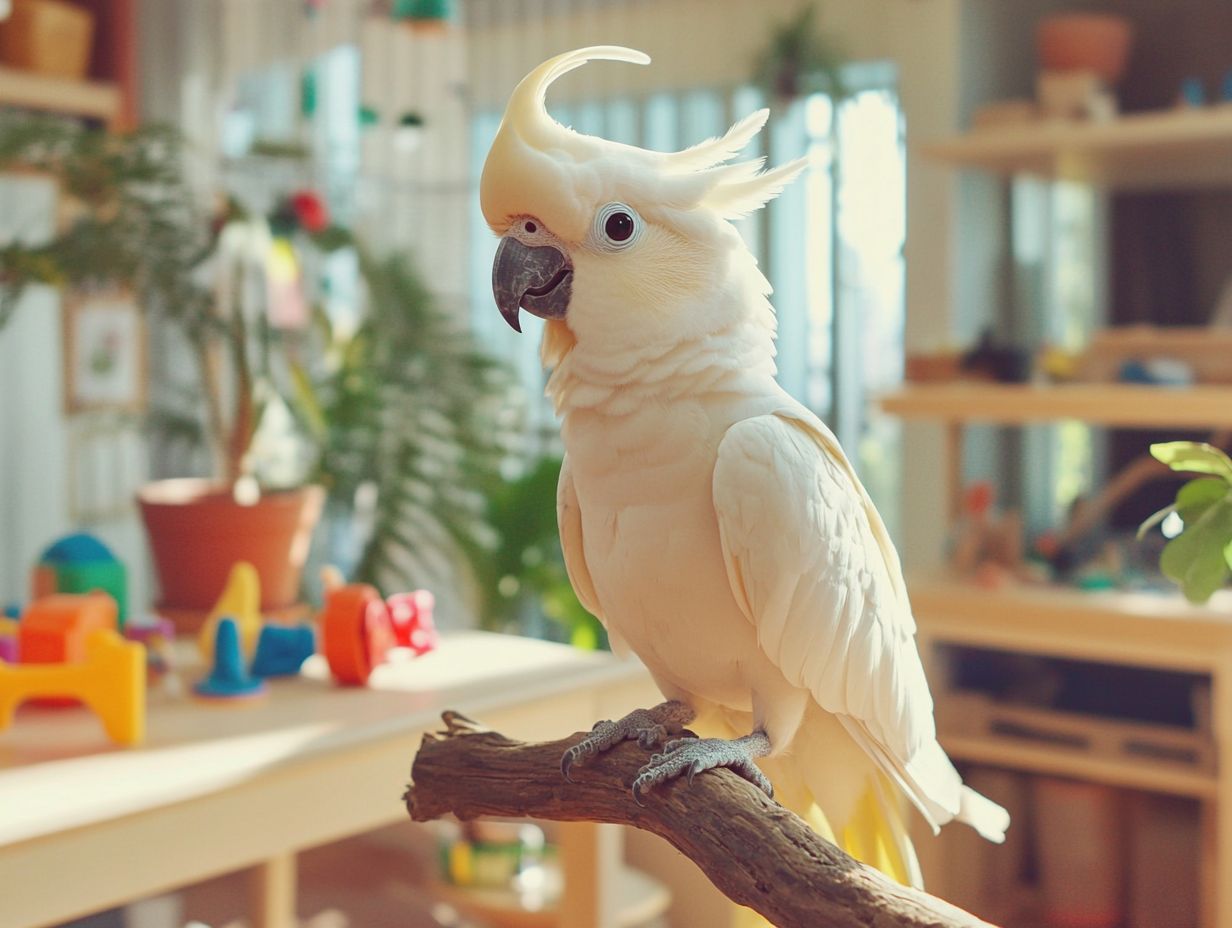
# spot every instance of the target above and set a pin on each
(613, 220)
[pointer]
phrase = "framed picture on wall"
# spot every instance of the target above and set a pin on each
(104, 351)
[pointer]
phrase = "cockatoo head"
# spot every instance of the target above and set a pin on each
(610, 239)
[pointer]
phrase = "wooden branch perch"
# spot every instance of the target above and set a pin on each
(755, 851)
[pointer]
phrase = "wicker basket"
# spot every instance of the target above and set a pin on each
(50, 37)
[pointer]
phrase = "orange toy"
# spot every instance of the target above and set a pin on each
(110, 679)
(55, 629)
(356, 632)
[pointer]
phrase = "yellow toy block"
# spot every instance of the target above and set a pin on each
(110, 681)
(241, 601)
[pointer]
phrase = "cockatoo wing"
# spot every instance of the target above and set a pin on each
(813, 568)
(569, 522)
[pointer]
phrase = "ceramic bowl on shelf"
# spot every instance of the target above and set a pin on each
(1095, 42)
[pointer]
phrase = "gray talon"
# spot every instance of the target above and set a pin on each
(649, 727)
(688, 757)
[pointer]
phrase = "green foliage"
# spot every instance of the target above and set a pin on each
(526, 568)
(1194, 457)
(1199, 559)
(800, 59)
(129, 215)
(409, 405)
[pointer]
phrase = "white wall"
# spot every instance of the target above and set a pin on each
(57, 474)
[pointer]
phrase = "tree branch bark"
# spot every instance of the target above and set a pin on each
(756, 852)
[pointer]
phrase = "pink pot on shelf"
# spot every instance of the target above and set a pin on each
(1095, 42)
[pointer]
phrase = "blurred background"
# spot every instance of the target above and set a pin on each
(244, 275)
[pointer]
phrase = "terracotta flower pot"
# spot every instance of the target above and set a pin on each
(1095, 42)
(197, 531)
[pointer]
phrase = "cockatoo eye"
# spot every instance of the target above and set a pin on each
(617, 227)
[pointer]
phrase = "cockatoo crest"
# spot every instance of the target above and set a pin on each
(537, 166)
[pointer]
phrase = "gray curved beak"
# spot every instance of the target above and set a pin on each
(538, 279)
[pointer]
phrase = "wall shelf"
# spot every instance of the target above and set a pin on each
(1170, 149)
(1153, 777)
(1154, 629)
(101, 100)
(1112, 404)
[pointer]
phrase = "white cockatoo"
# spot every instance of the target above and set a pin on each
(709, 520)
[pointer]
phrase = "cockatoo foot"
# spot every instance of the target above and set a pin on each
(651, 727)
(695, 755)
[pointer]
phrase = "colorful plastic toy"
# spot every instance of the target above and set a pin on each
(55, 628)
(356, 632)
(81, 564)
(241, 602)
(9, 647)
(158, 636)
(110, 680)
(358, 628)
(411, 614)
(228, 680)
(282, 650)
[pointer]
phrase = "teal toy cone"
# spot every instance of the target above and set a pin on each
(228, 678)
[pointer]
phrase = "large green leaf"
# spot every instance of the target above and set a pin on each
(1195, 457)
(1196, 559)
(1197, 496)
(1192, 501)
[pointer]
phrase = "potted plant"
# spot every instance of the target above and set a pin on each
(1199, 557)
(344, 394)
(239, 330)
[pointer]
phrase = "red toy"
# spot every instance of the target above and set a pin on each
(412, 617)
(358, 629)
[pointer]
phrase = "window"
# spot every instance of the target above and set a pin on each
(833, 251)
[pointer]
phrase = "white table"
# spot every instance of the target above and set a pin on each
(86, 826)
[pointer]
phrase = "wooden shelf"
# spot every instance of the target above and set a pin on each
(1142, 628)
(641, 899)
(1113, 404)
(1012, 754)
(1162, 150)
(1158, 630)
(100, 100)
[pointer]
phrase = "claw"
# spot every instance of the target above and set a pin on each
(688, 757)
(649, 737)
(648, 726)
(637, 792)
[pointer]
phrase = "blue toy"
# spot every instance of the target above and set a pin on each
(282, 650)
(227, 678)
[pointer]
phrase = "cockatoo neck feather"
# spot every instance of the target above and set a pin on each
(735, 354)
